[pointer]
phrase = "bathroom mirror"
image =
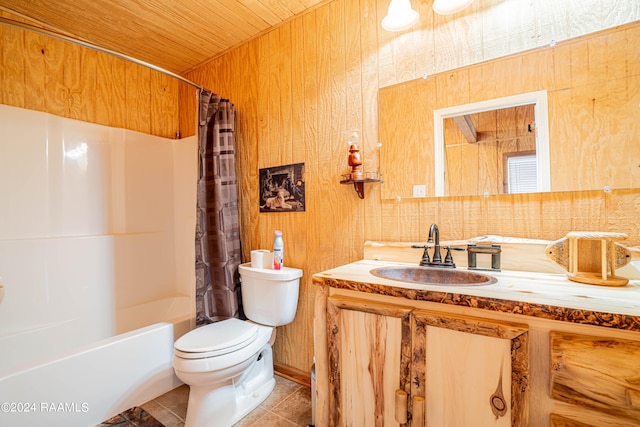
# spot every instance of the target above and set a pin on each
(589, 141)
(499, 146)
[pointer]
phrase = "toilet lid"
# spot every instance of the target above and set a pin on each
(216, 339)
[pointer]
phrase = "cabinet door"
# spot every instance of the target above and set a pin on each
(470, 371)
(368, 368)
(599, 377)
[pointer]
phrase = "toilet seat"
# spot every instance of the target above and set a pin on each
(216, 339)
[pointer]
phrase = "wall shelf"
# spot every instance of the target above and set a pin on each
(358, 183)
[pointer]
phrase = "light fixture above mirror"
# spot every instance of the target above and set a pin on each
(448, 7)
(400, 16)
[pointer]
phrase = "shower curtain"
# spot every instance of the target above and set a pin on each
(218, 251)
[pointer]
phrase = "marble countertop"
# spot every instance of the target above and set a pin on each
(543, 295)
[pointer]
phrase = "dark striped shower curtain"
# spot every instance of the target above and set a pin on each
(218, 251)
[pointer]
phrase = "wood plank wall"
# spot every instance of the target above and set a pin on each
(62, 78)
(299, 90)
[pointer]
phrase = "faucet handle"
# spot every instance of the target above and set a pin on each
(448, 259)
(425, 255)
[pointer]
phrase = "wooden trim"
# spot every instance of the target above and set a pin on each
(473, 325)
(418, 374)
(520, 380)
(333, 350)
(406, 352)
(321, 355)
(294, 374)
(368, 306)
(583, 316)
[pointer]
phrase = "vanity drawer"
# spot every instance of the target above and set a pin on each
(599, 373)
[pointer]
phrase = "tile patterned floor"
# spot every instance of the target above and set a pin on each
(288, 405)
(134, 417)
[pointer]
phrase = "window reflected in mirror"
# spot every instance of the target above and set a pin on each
(520, 173)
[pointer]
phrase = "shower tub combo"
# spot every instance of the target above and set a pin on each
(96, 258)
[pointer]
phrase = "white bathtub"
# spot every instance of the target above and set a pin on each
(87, 384)
(91, 384)
(48, 379)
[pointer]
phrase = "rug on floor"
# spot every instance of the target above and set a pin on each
(134, 417)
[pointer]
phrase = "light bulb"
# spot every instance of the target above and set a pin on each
(448, 7)
(400, 16)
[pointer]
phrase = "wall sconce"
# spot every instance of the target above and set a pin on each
(448, 7)
(400, 16)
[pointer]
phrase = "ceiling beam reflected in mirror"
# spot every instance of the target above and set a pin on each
(466, 126)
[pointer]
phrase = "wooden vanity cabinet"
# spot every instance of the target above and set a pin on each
(597, 377)
(400, 356)
(392, 365)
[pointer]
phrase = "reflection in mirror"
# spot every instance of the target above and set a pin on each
(497, 146)
(593, 93)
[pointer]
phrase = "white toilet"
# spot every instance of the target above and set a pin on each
(228, 365)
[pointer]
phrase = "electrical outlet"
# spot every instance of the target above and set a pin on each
(419, 191)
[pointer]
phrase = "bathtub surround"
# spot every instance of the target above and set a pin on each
(218, 252)
(96, 241)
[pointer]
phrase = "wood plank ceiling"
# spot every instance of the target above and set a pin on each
(176, 35)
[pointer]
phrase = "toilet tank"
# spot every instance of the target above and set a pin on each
(270, 297)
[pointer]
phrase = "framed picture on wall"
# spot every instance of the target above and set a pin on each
(282, 188)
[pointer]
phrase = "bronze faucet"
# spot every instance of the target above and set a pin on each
(437, 258)
(436, 261)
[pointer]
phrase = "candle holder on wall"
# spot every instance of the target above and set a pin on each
(358, 183)
(355, 161)
(357, 176)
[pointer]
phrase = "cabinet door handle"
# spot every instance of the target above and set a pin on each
(417, 411)
(401, 406)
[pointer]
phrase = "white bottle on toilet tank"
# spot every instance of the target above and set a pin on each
(278, 251)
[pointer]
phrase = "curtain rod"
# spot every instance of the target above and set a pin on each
(53, 34)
